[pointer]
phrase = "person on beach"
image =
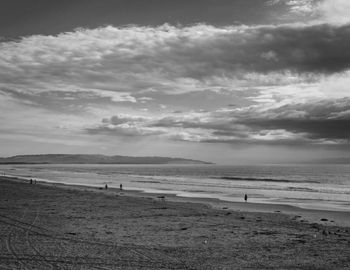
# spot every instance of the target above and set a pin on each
(31, 181)
(121, 186)
(106, 186)
(245, 197)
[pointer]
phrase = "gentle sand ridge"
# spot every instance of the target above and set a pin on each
(49, 226)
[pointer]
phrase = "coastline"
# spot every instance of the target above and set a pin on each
(324, 217)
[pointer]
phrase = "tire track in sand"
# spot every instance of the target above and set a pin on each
(11, 248)
(144, 257)
(32, 247)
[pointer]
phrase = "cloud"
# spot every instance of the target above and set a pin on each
(286, 84)
(298, 7)
(74, 101)
(124, 126)
(168, 58)
(322, 122)
(316, 11)
(183, 68)
(182, 128)
(326, 129)
(335, 11)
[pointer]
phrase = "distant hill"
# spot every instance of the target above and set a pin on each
(93, 159)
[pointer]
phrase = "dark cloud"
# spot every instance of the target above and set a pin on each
(319, 48)
(328, 120)
(327, 129)
(300, 49)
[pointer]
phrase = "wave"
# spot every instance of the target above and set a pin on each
(234, 178)
(145, 181)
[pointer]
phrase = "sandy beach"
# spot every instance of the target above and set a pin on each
(54, 226)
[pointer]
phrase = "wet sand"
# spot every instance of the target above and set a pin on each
(52, 226)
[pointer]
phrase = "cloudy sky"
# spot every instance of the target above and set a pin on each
(228, 81)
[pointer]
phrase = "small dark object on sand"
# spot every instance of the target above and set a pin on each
(324, 219)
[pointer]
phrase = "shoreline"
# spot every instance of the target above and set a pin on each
(302, 195)
(323, 217)
(57, 226)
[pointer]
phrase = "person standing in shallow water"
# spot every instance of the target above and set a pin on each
(245, 197)
(121, 186)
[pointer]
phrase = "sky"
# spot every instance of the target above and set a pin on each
(226, 81)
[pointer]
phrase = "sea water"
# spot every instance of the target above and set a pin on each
(308, 186)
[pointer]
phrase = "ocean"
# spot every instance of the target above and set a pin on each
(325, 187)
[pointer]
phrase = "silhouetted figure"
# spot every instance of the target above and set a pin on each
(106, 187)
(31, 181)
(121, 186)
(245, 197)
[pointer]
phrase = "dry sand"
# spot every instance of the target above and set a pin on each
(48, 226)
